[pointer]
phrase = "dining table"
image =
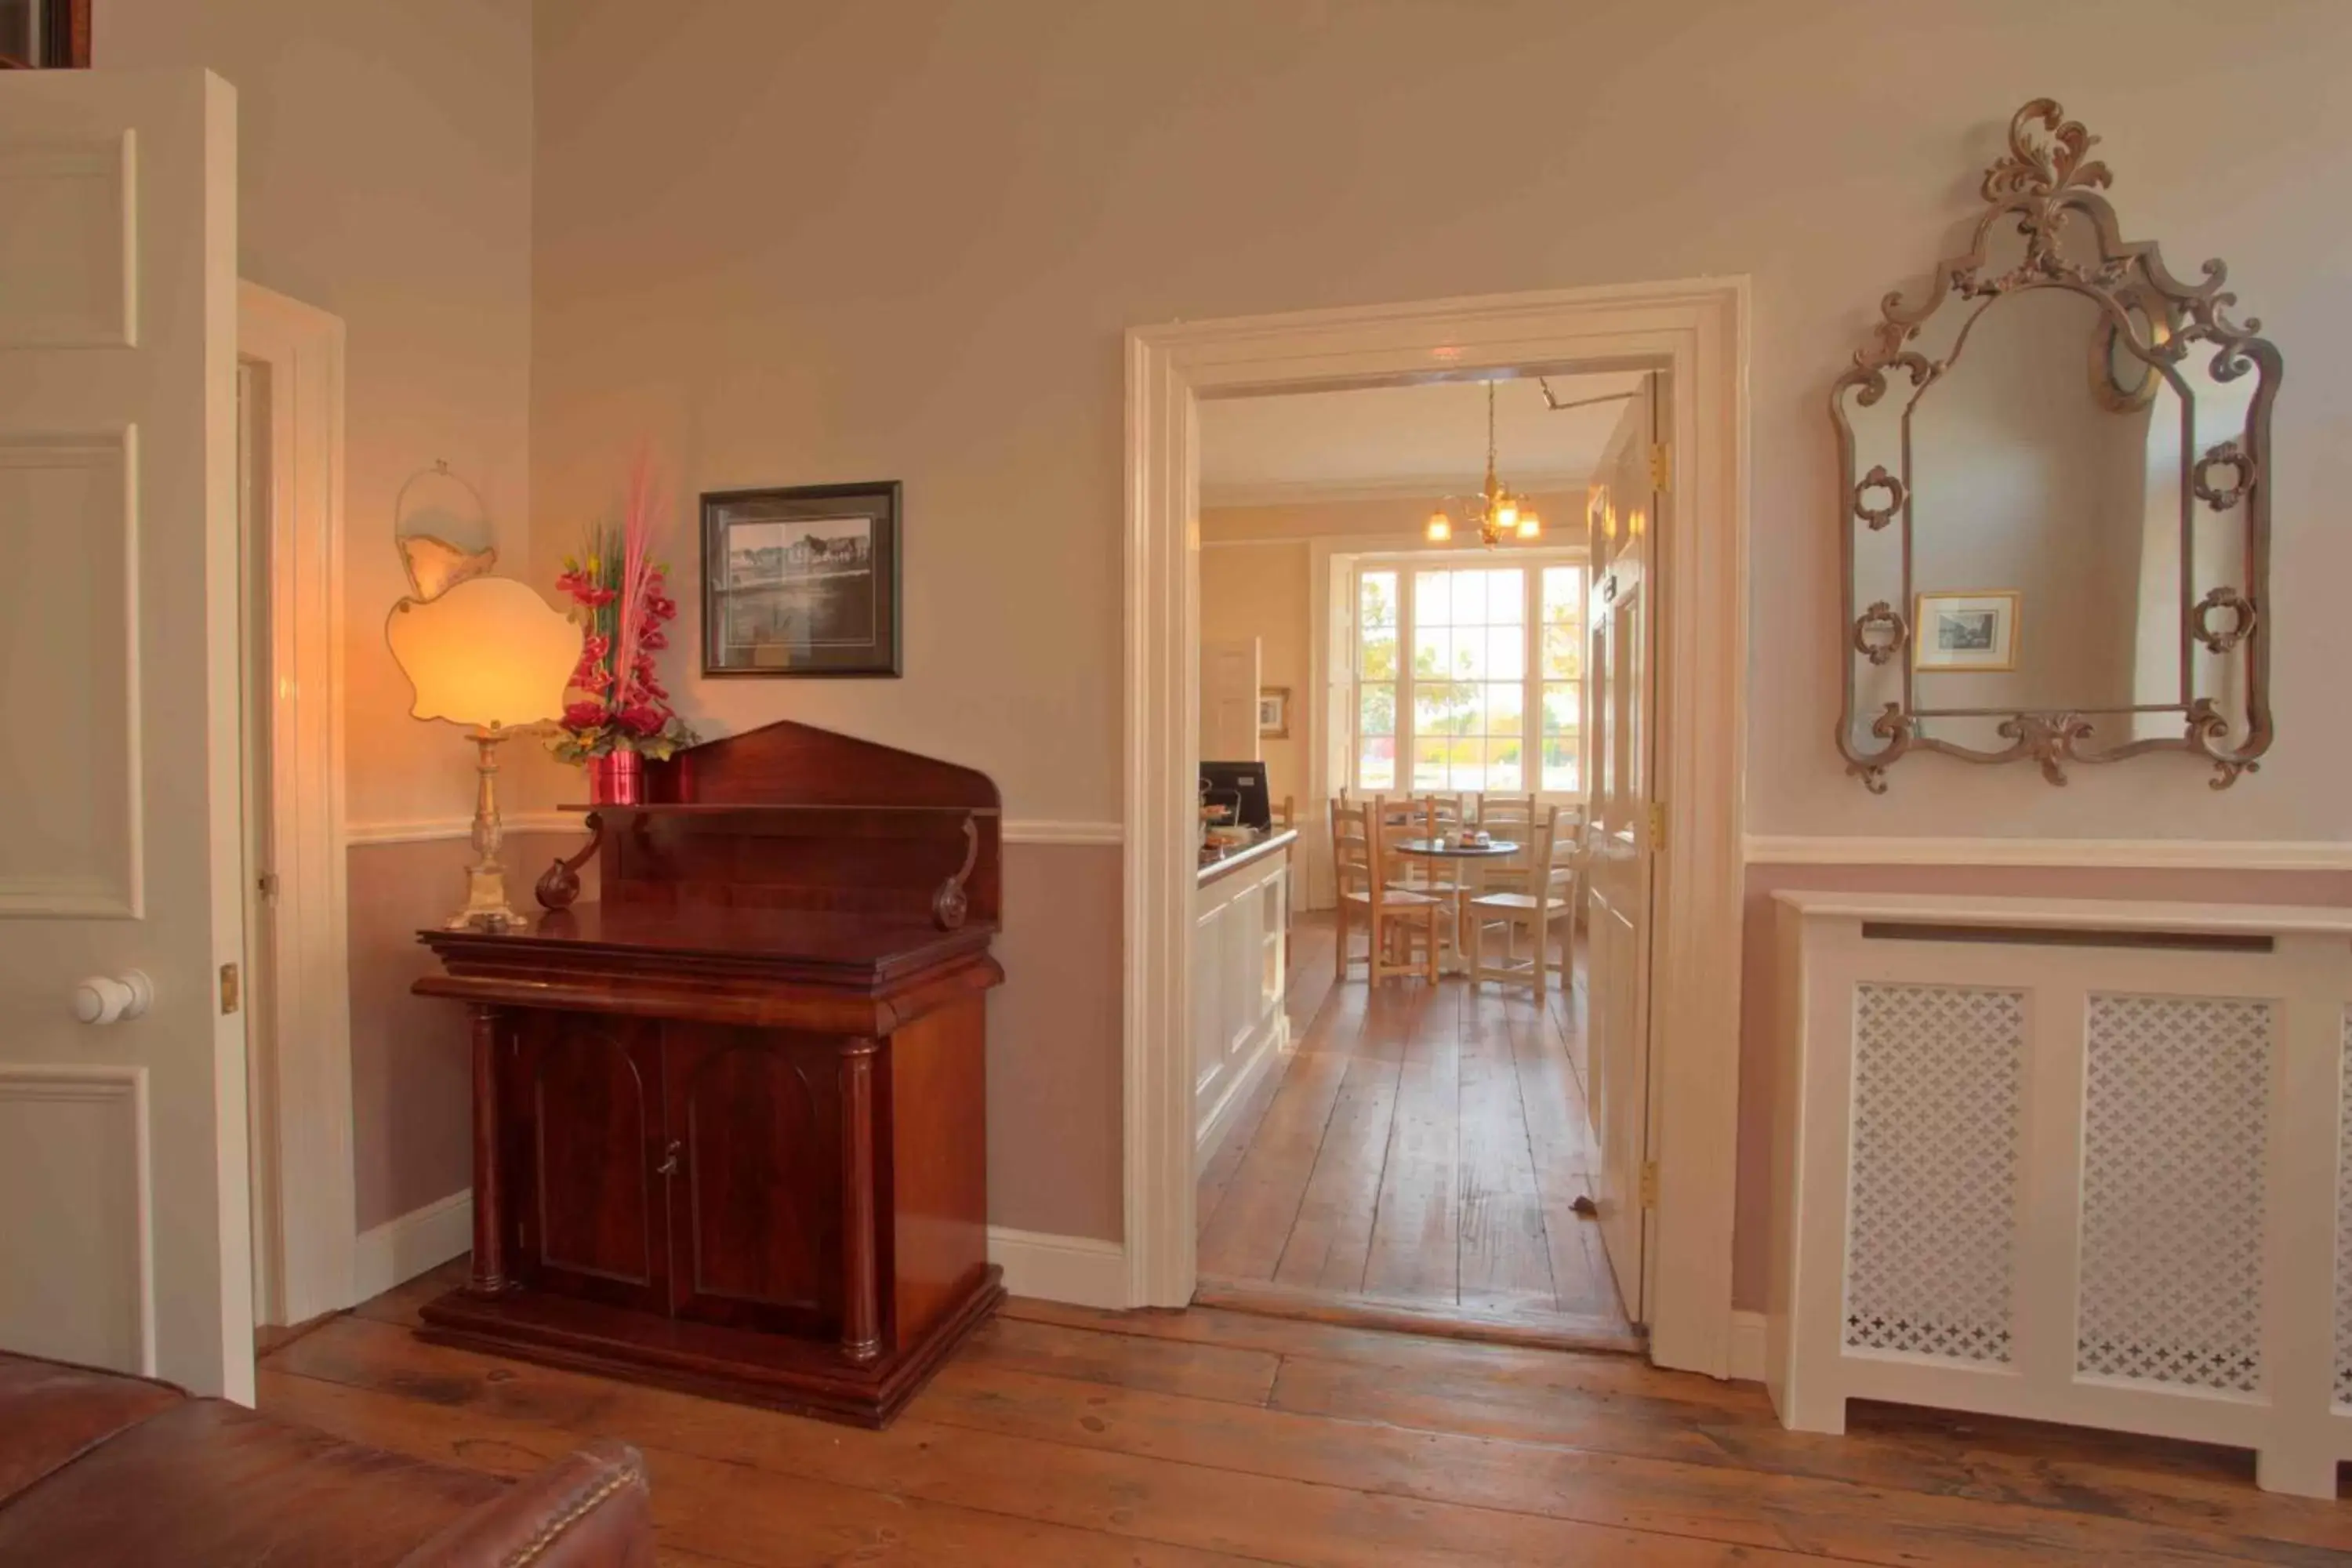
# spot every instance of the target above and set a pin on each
(1473, 858)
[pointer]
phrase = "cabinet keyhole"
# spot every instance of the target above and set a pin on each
(668, 1167)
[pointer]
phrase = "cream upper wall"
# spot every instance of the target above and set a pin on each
(1260, 591)
(384, 174)
(835, 241)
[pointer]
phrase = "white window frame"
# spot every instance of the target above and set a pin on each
(1404, 563)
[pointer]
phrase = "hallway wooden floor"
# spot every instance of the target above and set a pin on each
(1420, 1150)
(1060, 1436)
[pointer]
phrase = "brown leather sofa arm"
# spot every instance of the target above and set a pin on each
(589, 1509)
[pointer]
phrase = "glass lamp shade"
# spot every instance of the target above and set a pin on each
(1439, 528)
(1530, 525)
(489, 653)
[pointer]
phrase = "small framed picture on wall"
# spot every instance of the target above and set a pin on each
(1963, 632)
(802, 581)
(1273, 712)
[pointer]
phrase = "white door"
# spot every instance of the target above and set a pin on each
(123, 1219)
(1621, 682)
(1229, 701)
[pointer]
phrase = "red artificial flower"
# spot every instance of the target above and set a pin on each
(584, 716)
(642, 719)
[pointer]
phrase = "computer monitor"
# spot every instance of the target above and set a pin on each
(1225, 781)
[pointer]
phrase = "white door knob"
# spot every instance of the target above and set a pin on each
(104, 998)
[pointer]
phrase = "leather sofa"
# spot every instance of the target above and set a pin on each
(100, 1468)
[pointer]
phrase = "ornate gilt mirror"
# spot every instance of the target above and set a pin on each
(2055, 517)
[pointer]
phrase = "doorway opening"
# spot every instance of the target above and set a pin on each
(1422, 1141)
(294, 987)
(1663, 774)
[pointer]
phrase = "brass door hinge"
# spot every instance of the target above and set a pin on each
(1662, 466)
(1657, 827)
(1649, 1184)
(266, 886)
(229, 989)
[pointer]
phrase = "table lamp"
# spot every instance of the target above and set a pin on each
(492, 655)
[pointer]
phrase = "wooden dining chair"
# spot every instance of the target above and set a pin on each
(1388, 916)
(1511, 817)
(1423, 816)
(1507, 811)
(1550, 899)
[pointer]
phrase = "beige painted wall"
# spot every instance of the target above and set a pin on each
(384, 174)
(905, 240)
(411, 1078)
(836, 241)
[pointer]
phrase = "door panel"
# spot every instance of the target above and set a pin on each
(1229, 701)
(1623, 511)
(755, 1202)
(592, 1219)
(124, 1219)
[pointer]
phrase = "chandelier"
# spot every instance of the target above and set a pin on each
(1499, 514)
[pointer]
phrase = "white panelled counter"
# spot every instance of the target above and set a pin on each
(2071, 1160)
(1241, 920)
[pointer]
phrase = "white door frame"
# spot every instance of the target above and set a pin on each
(305, 1201)
(1699, 328)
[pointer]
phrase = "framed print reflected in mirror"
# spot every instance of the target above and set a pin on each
(1972, 631)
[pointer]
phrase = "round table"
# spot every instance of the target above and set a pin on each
(1468, 855)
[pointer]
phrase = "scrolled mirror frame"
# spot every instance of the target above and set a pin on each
(2042, 183)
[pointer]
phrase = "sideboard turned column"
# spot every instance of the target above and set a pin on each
(489, 1275)
(861, 1313)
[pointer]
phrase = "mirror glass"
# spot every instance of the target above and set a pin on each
(2046, 526)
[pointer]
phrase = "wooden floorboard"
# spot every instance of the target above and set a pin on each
(1503, 1260)
(1416, 1232)
(1332, 1235)
(1435, 1170)
(1065, 1435)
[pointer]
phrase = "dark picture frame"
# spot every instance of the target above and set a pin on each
(44, 35)
(802, 581)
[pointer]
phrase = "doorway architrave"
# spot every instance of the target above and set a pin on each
(1699, 329)
(305, 1204)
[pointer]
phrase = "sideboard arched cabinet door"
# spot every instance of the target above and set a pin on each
(588, 1211)
(755, 1188)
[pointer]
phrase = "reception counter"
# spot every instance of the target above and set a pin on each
(1241, 918)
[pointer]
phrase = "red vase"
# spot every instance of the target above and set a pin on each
(617, 778)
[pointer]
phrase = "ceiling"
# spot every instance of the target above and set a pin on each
(1420, 440)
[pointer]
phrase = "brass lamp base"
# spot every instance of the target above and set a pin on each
(486, 879)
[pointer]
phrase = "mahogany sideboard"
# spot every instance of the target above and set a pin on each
(730, 1118)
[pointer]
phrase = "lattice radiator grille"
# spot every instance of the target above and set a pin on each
(2344, 1217)
(2176, 1136)
(1938, 1081)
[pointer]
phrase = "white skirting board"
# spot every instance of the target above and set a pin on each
(407, 1245)
(1082, 1271)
